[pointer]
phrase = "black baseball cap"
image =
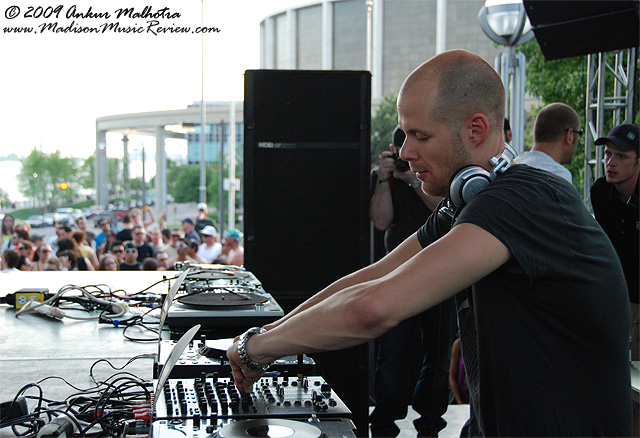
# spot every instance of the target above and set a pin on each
(624, 137)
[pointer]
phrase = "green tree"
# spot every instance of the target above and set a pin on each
(41, 176)
(382, 126)
(4, 198)
(187, 183)
(86, 174)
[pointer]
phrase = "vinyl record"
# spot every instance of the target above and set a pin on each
(269, 428)
(221, 300)
(218, 275)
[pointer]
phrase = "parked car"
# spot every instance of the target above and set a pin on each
(36, 221)
(50, 219)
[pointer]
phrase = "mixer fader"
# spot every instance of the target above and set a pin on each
(275, 397)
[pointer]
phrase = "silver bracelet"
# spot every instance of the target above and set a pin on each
(242, 350)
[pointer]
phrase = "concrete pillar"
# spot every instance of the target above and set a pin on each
(101, 170)
(327, 35)
(378, 35)
(161, 171)
(126, 186)
(292, 29)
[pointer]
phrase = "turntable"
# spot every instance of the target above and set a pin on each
(225, 302)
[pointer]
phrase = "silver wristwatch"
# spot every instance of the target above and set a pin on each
(242, 349)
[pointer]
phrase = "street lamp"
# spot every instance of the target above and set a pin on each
(506, 23)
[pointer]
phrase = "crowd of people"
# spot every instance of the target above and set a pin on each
(140, 243)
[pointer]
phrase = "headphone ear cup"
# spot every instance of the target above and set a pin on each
(466, 183)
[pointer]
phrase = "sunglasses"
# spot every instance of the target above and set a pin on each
(182, 245)
(116, 251)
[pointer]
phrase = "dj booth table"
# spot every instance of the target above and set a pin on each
(36, 349)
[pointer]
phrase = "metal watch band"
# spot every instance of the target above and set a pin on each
(242, 349)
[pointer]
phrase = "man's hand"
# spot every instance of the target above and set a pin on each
(386, 165)
(242, 376)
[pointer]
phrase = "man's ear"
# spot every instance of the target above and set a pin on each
(477, 127)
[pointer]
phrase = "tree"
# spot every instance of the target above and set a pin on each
(187, 183)
(42, 173)
(382, 126)
(4, 198)
(87, 172)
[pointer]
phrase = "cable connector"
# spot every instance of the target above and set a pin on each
(47, 310)
(142, 411)
(61, 427)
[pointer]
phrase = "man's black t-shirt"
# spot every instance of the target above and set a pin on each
(620, 221)
(549, 352)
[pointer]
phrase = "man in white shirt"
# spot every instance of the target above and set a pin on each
(556, 134)
(211, 248)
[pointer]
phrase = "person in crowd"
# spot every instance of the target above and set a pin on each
(144, 249)
(108, 262)
(63, 231)
(105, 225)
(150, 264)
(82, 224)
(233, 242)
(36, 239)
(154, 239)
(211, 248)
(137, 216)
(170, 246)
(543, 283)
(25, 248)
(107, 242)
(42, 254)
(53, 264)
(125, 233)
(86, 251)
(8, 222)
(130, 262)
(117, 249)
(190, 231)
(457, 376)
(68, 259)
(399, 207)
(163, 260)
(193, 252)
(614, 198)
(508, 134)
(10, 260)
(82, 263)
(201, 218)
(19, 236)
(184, 250)
(556, 134)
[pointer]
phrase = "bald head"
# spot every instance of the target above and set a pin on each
(464, 84)
(553, 121)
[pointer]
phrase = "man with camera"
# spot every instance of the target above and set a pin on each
(419, 375)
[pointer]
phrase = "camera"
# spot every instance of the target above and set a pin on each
(401, 165)
(398, 139)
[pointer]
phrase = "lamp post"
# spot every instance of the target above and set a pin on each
(506, 23)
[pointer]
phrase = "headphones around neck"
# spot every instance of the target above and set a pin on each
(472, 179)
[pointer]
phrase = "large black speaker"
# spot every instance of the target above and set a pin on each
(567, 28)
(306, 167)
(306, 197)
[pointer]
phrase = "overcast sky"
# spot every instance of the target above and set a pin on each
(55, 84)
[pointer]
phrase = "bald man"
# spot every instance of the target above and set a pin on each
(556, 134)
(546, 330)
